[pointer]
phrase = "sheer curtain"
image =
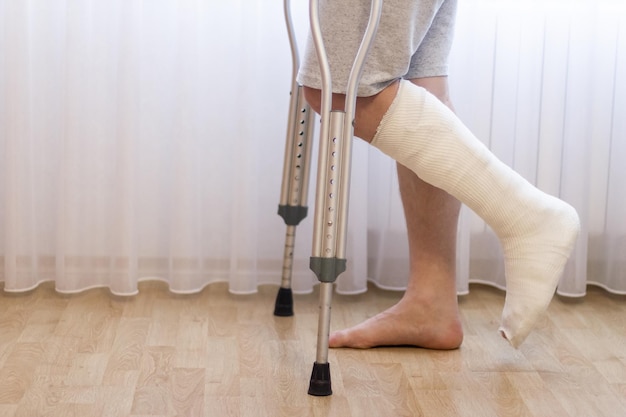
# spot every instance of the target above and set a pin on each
(144, 140)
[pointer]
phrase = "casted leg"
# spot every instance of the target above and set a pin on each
(537, 231)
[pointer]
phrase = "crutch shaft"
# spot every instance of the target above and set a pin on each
(292, 206)
(330, 193)
(333, 182)
(320, 383)
(290, 239)
(283, 306)
(323, 332)
(294, 188)
(297, 159)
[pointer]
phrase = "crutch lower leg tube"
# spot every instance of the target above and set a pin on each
(328, 258)
(294, 189)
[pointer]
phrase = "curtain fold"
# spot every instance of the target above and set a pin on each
(144, 140)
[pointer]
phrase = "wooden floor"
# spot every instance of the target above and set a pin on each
(215, 354)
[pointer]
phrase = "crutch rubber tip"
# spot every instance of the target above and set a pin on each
(284, 303)
(320, 380)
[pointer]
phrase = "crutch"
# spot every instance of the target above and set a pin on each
(293, 196)
(328, 258)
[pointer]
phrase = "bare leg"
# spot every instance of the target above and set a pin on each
(427, 315)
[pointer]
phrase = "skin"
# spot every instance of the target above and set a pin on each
(427, 316)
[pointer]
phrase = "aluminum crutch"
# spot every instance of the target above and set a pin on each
(328, 258)
(294, 190)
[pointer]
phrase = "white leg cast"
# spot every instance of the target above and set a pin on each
(537, 231)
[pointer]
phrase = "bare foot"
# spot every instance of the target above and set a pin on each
(414, 322)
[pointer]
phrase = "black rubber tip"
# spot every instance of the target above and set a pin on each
(320, 380)
(284, 303)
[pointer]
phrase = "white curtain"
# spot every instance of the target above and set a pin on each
(144, 140)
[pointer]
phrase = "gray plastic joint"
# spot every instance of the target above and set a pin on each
(292, 215)
(327, 269)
